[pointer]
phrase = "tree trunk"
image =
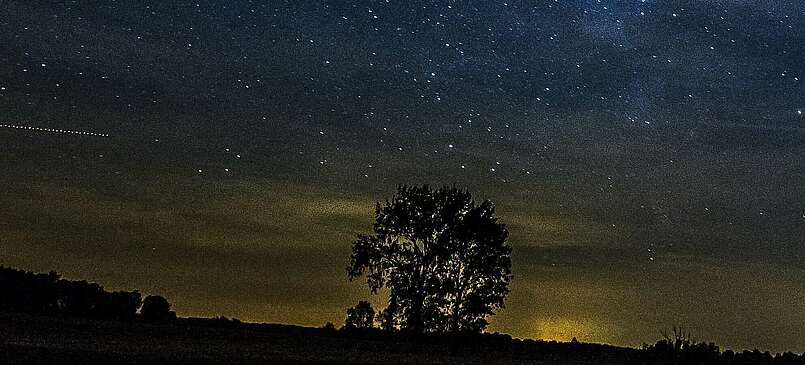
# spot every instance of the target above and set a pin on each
(418, 302)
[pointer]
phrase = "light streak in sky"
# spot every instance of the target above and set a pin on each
(53, 130)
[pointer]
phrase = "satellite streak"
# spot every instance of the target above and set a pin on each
(53, 130)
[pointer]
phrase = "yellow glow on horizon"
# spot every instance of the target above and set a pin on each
(564, 329)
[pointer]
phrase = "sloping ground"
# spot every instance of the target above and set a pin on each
(50, 340)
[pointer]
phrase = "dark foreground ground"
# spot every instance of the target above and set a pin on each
(26, 339)
(51, 340)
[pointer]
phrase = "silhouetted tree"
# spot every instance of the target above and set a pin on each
(443, 258)
(156, 309)
(360, 316)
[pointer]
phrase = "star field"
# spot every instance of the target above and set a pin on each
(646, 155)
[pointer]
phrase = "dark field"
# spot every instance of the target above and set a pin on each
(52, 340)
(28, 339)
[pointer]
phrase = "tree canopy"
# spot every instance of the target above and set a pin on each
(444, 260)
(361, 315)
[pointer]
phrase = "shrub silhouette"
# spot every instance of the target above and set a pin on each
(443, 258)
(328, 327)
(360, 316)
(156, 309)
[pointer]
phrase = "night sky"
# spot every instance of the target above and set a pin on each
(647, 156)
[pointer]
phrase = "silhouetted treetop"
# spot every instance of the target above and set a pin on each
(156, 309)
(444, 259)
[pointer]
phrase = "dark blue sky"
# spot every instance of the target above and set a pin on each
(647, 155)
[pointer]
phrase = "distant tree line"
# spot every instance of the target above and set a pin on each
(681, 348)
(689, 352)
(49, 294)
